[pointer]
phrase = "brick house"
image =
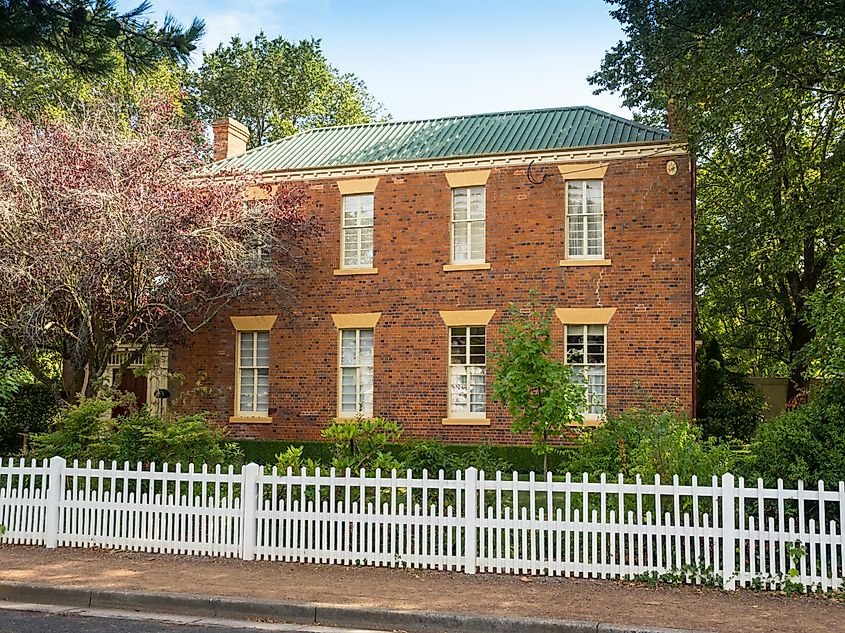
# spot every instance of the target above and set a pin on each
(430, 229)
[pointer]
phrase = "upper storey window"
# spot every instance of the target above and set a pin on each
(584, 219)
(468, 225)
(357, 231)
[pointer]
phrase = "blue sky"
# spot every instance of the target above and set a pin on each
(434, 58)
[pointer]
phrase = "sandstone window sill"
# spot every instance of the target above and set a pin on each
(250, 419)
(590, 422)
(342, 272)
(584, 262)
(455, 267)
(466, 421)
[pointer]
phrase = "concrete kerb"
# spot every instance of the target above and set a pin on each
(301, 613)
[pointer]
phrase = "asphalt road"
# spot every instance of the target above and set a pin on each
(26, 622)
(54, 620)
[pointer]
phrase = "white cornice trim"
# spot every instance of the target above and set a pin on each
(618, 152)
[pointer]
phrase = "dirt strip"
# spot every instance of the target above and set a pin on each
(489, 594)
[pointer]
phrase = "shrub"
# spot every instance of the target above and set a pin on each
(362, 443)
(293, 458)
(179, 439)
(727, 405)
(487, 458)
(79, 432)
(430, 455)
(647, 441)
(266, 451)
(86, 431)
(807, 443)
(28, 411)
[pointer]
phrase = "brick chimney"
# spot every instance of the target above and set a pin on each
(230, 137)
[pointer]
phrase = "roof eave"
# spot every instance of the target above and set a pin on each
(469, 157)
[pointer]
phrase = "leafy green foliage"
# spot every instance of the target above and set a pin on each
(805, 444)
(431, 455)
(362, 443)
(8, 377)
(40, 87)
(85, 33)
(727, 406)
(276, 88)
(81, 432)
(85, 431)
(701, 574)
(293, 458)
(28, 411)
(757, 91)
(826, 352)
(536, 387)
(487, 458)
(647, 441)
(484, 457)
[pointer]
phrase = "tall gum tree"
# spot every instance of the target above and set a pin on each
(111, 232)
(758, 90)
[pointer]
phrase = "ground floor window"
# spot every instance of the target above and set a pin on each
(253, 373)
(356, 372)
(586, 352)
(467, 371)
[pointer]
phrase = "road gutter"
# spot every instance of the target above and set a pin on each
(328, 615)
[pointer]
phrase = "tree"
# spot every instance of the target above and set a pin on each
(727, 405)
(41, 86)
(537, 388)
(84, 33)
(110, 233)
(276, 88)
(827, 319)
(757, 90)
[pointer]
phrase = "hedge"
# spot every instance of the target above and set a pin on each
(523, 460)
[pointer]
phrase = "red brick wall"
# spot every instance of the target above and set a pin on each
(648, 237)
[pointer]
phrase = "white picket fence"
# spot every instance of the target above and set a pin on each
(721, 531)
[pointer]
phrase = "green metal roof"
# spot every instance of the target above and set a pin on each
(448, 137)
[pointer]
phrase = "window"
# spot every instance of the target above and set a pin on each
(253, 373)
(586, 352)
(584, 219)
(356, 372)
(357, 231)
(467, 371)
(258, 257)
(468, 225)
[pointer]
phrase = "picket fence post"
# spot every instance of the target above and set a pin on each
(249, 504)
(728, 532)
(55, 495)
(470, 520)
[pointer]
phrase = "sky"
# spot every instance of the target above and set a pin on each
(434, 58)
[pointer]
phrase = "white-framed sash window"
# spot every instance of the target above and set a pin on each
(253, 373)
(468, 225)
(356, 373)
(584, 219)
(467, 371)
(357, 231)
(586, 352)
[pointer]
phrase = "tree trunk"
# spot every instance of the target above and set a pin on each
(800, 335)
(77, 382)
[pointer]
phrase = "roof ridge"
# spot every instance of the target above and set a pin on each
(315, 130)
(653, 128)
